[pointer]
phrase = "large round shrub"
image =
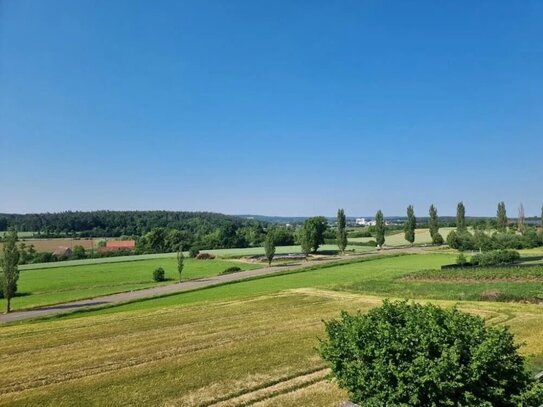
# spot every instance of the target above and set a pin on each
(159, 274)
(403, 354)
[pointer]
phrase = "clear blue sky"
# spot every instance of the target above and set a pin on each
(271, 107)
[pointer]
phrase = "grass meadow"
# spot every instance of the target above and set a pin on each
(246, 343)
(46, 286)
(422, 236)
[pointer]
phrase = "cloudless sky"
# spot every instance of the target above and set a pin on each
(271, 107)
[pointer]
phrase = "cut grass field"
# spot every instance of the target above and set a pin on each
(422, 236)
(248, 343)
(39, 287)
(49, 245)
(258, 351)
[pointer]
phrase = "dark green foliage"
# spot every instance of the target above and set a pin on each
(437, 239)
(482, 241)
(380, 228)
(461, 240)
(403, 354)
(461, 260)
(159, 274)
(410, 225)
(203, 229)
(180, 261)
(193, 251)
(461, 217)
(341, 232)
(78, 253)
(433, 225)
(360, 233)
(269, 247)
(230, 270)
(495, 258)
(311, 234)
(10, 271)
(282, 236)
(501, 218)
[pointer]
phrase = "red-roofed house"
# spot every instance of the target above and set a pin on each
(112, 245)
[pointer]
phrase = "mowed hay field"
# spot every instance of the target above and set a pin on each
(249, 343)
(258, 351)
(49, 245)
(46, 286)
(422, 236)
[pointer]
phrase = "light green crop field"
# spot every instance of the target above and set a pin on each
(422, 236)
(247, 343)
(38, 287)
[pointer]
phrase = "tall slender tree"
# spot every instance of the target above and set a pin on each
(304, 236)
(460, 217)
(433, 223)
(410, 225)
(542, 217)
(9, 262)
(269, 247)
(501, 216)
(520, 221)
(341, 231)
(180, 261)
(379, 229)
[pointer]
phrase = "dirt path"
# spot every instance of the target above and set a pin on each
(120, 298)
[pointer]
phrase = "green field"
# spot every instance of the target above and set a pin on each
(422, 236)
(46, 286)
(246, 343)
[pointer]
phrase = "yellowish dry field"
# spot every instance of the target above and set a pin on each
(254, 351)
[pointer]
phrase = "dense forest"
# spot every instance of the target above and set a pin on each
(196, 226)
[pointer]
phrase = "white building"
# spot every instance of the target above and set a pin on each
(364, 222)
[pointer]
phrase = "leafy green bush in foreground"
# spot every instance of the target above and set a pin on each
(403, 354)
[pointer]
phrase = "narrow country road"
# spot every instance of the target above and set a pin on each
(129, 296)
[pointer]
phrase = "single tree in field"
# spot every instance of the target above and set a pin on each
(305, 240)
(501, 216)
(460, 217)
(379, 229)
(180, 261)
(433, 225)
(520, 222)
(542, 217)
(341, 232)
(9, 262)
(314, 229)
(410, 225)
(269, 247)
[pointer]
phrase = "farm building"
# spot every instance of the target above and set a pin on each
(113, 245)
(62, 252)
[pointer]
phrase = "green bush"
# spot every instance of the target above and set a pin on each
(461, 260)
(403, 354)
(159, 274)
(495, 257)
(437, 239)
(461, 241)
(233, 269)
(193, 252)
(359, 233)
